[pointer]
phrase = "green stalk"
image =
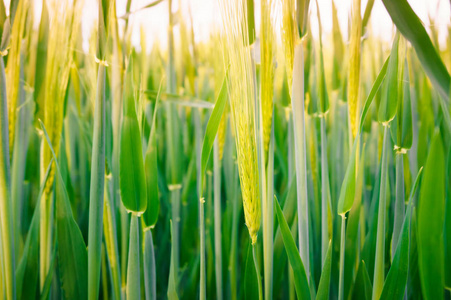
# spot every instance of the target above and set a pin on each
(342, 258)
(233, 249)
(5, 189)
(267, 238)
(324, 192)
(45, 232)
(379, 265)
(198, 142)
(172, 133)
(149, 266)
(109, 230)
(269, 243)
(133, 272)
(2, 270)
(217, 213)
(259, 277)
(399, 204)
(18, 164)
(125, 230)
(97, 189)
(297, 103)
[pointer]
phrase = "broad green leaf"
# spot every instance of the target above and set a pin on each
(132, 179)
(347, 191)
(150, 216)
(301, 282)
(324, 282)
(72, 254)
(395, 283)
(250, 277)
(413, 30)
(431, 210)
(389, 102)
(213, 125)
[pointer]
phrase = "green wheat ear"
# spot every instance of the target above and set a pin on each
(241, 95)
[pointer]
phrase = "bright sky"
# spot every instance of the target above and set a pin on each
(206, 17)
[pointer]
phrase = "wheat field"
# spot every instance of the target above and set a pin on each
(264, 162)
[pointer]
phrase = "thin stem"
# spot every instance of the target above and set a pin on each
(5, 193)
(297, 103)
(198, 142)
(259, 277)
(133, 272)
(109, 228)
(342, 258)
(399, 204)
(97, 189)
(324, 192)
(149, 266)
(217, 213)
(379, 263)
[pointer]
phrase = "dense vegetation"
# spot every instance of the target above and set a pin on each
(235, 168)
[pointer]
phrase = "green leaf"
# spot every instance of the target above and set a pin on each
(151, 4)
(300, 277)
(362, 287)
(376, 85)
(96, 193)
(213, 125)
(250, 277)
(395, 284)
(132, 179)
(324, 282)
(49, 278)
(182, 100)
(347, 191)
(431, 210)
(150, 216)
(413, 30)
(28, 264)
(72, 254)
(389, 101)
(41, 63)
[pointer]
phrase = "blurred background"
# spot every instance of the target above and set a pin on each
(206, 17)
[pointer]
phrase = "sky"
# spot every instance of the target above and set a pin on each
(206, 17)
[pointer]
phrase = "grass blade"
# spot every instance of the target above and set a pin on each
(96, 198)
(72, 254)
(132, 178)
(300, 276)
(431, 210)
